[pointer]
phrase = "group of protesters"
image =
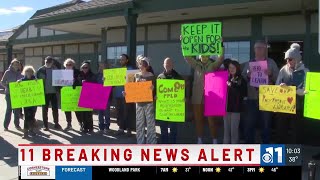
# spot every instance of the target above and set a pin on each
(241, 96)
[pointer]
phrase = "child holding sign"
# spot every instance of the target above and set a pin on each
(30, 112)
(237, 89)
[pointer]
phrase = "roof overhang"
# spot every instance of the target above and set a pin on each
(155, 11)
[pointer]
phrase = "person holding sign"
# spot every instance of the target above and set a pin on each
(69, 64)
(254, 114)
(168, 73)
(237, 90)
(86, 117)
(125, 111)
(292, 74)
(145, 110)
(202, 66)
(11, 75)
(30, 112)
(45, 73)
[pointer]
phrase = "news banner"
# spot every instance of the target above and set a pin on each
(92, 162)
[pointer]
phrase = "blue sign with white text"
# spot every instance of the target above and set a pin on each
(73, 172)
(272, 155)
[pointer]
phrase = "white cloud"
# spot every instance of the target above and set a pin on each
(15, 10)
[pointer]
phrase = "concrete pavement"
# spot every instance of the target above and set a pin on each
(9, 140)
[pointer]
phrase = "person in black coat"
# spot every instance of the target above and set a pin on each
(86, 75)
(237, 90)
(69, 64)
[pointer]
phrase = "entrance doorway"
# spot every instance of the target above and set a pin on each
(278, 48)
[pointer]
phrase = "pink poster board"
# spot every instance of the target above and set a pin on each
(94, 96)
(215, 93)
(258, 71)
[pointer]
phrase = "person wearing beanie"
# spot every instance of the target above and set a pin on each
(293, 73)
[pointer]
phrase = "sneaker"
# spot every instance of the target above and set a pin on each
(129, 133)
(25, 135)
(18, 128)
(6, 129)
(57, 126)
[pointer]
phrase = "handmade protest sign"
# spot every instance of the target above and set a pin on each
(170, 104)
(201, 39)
(62, 77)
(258, 76)
(312, 98)
(215, 93)
(27, 93)
(70, 98)
(138, 92)
(94, 96)
(130, 75)
(114, 77)
(277, 98)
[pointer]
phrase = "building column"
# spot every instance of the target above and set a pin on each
(256, 33)
(131, 20)
(9, 54)
(104, 45)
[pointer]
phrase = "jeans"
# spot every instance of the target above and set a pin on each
(166, 137)
(126, 114)
(9, 110)
(256, 116)
(104, 118)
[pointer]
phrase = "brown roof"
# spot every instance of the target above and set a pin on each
(84, 6)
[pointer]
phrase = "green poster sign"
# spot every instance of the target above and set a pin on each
(170, 104)
(115, 77)
(70, 99)
(312, 98)
(201, 39)
(27, 93)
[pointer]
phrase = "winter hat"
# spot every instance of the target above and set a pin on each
(294, 53)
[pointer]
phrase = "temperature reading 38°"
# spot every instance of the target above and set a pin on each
(293, 159)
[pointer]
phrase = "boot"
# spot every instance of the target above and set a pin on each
(25, 134)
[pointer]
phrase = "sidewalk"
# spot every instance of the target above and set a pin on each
(9, 140)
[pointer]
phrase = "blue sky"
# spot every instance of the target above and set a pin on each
(16, 12)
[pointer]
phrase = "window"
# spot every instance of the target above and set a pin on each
(113, 53)
(239, 50)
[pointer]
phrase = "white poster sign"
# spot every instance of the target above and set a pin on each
(62, 77)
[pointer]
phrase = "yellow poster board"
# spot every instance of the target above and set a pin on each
(115, 77)
(277, 98)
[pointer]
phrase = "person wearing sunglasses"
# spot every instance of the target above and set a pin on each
(293, 73)
(69, 64)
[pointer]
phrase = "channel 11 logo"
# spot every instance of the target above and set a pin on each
(272, 155)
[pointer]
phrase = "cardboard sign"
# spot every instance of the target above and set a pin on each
(130, 75)
(312, 98)
(201, 39)
(94, 96)
(258, 75)
(170, 104)
(70, 99)
(215, 93)
(62, 77)
(27, 93)
(115, 77)
(138, 92)
(277, 99)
